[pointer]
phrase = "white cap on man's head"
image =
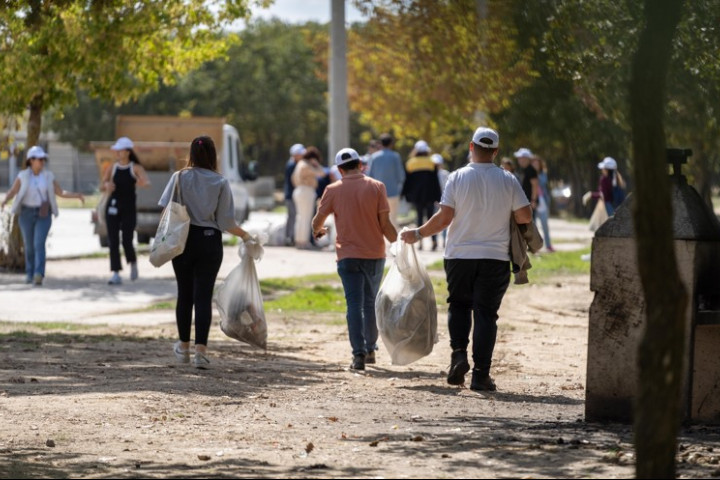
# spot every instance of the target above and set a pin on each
(421, 146)
(608, 163)
(123, 143)
(346, 155)
(523, 153)
(297, 149)
(486, 138)
(36, 152)
(437, 159)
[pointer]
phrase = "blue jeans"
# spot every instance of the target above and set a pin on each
(361, 281)
(34, 231)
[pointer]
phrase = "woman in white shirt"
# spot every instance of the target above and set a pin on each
(36, 189)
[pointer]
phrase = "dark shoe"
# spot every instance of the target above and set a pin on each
(434, 246)
(358, 362)
(482, 383)
(459, 366)
(370, 357)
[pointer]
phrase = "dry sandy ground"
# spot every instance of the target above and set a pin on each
(109, 402)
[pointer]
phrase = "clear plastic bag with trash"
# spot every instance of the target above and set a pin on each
(239, 299)
(405, 308)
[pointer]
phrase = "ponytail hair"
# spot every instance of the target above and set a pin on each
(133, 157)
(203, 153)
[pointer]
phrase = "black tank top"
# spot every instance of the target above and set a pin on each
(124, 180)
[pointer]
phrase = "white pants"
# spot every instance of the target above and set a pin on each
(304, 198)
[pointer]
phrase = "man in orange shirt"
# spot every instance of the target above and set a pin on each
(362, 218)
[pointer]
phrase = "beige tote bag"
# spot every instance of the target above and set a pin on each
(172, 231)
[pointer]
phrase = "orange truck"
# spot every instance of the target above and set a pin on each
(162, 144)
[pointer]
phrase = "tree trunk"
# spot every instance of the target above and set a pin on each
(35, 121)
(660, 356)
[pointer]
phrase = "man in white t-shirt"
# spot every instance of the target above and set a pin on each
(477, 203)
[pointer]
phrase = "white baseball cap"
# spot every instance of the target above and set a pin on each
(486, 138)
(36, 152)
(608, 163)
(123, 143)
(346, 155)
(421, 146)
(523, 153)
(297, 149)
(437, 159)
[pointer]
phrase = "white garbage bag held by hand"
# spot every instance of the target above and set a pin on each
(252, 244)
(240, 304)
(586, 198)
(405, 308)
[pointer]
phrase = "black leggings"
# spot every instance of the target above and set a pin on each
(124, 221)
(196, 270)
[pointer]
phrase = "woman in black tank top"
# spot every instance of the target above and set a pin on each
(120, 181)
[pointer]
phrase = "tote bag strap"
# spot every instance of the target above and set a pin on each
(177, 192)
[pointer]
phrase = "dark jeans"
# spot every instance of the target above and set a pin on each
(124, 221)
(196, 270)
(361, 281)
(424, 212)
(476, 290)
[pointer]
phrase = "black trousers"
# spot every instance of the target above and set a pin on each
(195, 271)
(424, 212)
(476, 288)
(123, 222)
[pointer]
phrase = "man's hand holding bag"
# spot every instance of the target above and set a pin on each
(172, 231)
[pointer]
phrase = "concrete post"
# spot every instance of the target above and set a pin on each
(339, 121)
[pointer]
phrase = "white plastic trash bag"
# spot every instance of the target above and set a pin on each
(240, 304)
(405, 309)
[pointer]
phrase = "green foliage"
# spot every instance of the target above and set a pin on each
(432, 69)
(117, 50)
(271, 85)
(591, 44)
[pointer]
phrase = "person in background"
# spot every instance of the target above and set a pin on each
(362, 218)
(527, 176)
(386, 166)
(119, 182)
(478, 203)
(207, 196)
(422, 187)
(611, 185)
(543, 208)
(305, 183)
(296, 153)
(442, 178)
(35, 190)
(507, 164)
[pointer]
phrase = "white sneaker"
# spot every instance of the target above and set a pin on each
(200, 361)
(133, 271)
(115, 279)
(183, 356)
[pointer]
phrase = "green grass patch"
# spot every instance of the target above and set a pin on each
(558, 264)
(314, 298)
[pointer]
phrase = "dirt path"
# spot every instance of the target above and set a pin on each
(110, 402)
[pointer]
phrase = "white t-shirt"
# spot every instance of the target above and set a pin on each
(37, 191)
(483, 196)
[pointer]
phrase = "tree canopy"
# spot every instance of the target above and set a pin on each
(117, 50)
